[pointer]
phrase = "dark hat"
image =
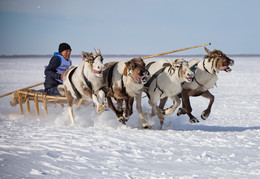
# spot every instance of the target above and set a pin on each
(64, 46)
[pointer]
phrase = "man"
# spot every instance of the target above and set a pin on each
(58, 64)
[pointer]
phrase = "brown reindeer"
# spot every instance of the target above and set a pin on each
(205, 79)
(125, 81)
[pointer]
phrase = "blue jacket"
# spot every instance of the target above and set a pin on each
(52, 72)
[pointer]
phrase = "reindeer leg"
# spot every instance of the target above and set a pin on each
(119, 114)
(70, 103)
(100, 101)
(187, 109)
(154, 108)
(130, 106)
(160, 109)
(79, 103)
(176, 103)
(120, 105)
(205, 113)
(162, 102)
(168, 111)
(182, 110)
(101, 96)
(160, 115)
(145, 125)
(95, 101)
(126, 109)
(119, 94)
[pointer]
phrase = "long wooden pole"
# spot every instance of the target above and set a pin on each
(160, 54)
(38, 84)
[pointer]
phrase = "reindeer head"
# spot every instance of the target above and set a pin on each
(95, 62)
(220, 62)
(136, 67)
(181, 68)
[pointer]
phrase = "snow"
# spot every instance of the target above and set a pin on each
(226, 145)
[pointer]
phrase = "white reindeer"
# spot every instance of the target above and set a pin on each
(85, 81)
(166, 79)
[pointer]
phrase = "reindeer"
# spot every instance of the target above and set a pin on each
(205, 79)
(166, 79)
(125, 81)
(85, 81)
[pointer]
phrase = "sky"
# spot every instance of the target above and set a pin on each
(150, 27)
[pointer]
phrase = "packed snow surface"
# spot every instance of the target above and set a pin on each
(226, 145)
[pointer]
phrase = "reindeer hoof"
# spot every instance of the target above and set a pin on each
(161, 123)
(146, 126)
(194, 120)
(181, 111)
(122, 120)
(101, 108)
(125, 118)
(204, 115)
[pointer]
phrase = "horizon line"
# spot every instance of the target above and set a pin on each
(123, 55)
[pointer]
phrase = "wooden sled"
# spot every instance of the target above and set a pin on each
(37, 96)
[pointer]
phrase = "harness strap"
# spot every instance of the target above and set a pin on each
(198, 82)
(194, 67)
(78, 95)
(205, 67)
(155, 75)
(88, 83)
(212, 64)
(147, 85)
(157, 87)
